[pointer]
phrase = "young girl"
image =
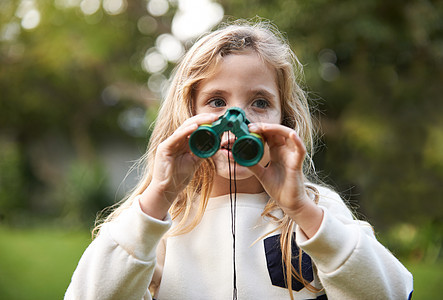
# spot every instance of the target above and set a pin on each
(198, 228)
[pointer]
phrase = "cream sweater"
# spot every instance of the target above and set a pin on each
(343, 260)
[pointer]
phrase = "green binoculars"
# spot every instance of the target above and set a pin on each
(248, 147)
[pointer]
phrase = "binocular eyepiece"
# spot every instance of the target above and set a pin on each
(247, 149)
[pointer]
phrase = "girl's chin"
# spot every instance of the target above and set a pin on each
(225, 163)
(233, 171)
(238, 175)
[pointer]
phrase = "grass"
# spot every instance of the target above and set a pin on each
(38, 264)
(428, 278)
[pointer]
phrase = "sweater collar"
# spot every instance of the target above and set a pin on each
(252, 200)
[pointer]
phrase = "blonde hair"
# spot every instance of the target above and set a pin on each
(197, 64)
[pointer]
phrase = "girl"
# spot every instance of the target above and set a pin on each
(211, 229)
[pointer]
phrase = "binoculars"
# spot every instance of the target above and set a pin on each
(247, 149)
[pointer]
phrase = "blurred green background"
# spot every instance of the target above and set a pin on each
(81, 81)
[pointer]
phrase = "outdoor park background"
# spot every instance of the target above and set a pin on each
(81, 80)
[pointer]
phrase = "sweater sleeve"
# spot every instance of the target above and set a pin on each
(120, 262)
(351, 263)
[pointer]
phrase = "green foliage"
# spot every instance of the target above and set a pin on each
(83, 193)
(56, 108)
(374, 69)
(414, 244)
(427, 279)
(12, 179)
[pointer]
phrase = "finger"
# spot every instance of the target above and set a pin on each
(205, 118)
(294, 149)
(180, 135)
(176, 144)
(276, 135)
(300, 147)
(268, 129)
(294, 137)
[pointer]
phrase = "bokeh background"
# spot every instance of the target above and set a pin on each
(81, 82)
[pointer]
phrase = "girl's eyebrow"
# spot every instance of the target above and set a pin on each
(215, 92)
(264, 93)
(254, 92)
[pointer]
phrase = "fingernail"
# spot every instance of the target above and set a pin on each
(253, 127)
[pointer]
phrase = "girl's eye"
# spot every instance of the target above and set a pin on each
(217, 102)
(261, 103)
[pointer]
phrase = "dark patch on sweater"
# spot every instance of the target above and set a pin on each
(276, 268)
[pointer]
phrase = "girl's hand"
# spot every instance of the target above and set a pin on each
(174, 167)
(283, 177)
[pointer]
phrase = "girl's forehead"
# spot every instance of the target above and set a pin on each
(240, 77)
(246, 66)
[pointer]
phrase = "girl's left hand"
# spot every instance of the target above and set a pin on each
(283, 177)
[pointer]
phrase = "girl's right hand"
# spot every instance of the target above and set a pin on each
(174, 167)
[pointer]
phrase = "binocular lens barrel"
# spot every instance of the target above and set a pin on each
(247, 150)
(205, 142)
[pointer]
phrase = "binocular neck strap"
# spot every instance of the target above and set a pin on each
(233, 202)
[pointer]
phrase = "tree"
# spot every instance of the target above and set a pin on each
(374, 69)
(69, 74)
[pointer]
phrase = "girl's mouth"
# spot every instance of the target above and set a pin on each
(227, 151)
(226, 148)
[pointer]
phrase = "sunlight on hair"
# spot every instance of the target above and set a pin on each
(195, 17)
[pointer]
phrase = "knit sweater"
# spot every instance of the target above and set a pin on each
(343, 260)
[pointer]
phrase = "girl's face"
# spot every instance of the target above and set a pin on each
(241, 80)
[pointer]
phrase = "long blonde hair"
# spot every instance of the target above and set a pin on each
(198, 63)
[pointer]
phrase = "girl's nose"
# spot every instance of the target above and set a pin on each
(239, 104)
